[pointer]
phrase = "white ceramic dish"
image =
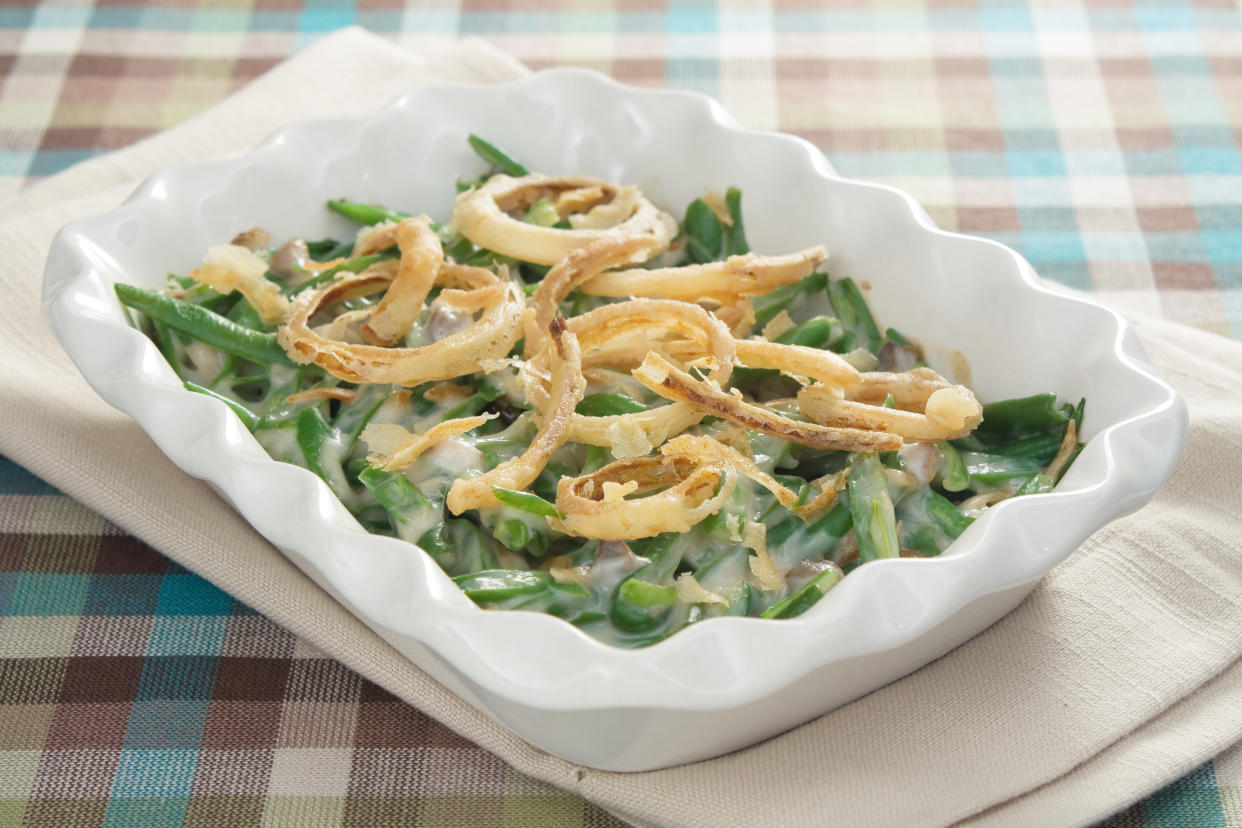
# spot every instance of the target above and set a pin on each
(715, 686)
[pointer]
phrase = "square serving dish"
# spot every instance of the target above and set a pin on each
(720, 684)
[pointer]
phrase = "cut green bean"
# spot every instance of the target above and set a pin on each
(817, 332)
(704, 233)
(782, 298)
(805, 597)
(872, 509)
(735, 232)
(497, 158)
(851, 308)
(204, 325)
(494, 585)
(249, 419)
(406, 506)
(366, 214)
(951, 520)
(527, 502)
(951, 475)
(604, 405)
(1007, 420)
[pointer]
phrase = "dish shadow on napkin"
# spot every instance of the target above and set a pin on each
(1108, 682)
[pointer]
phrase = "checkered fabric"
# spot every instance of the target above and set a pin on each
(1100, 139)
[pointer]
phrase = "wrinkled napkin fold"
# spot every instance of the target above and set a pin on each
(1118, 674)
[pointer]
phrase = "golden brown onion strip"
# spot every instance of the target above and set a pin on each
(643, 317)
(578, 266)
(746, 275)
(566, 388)
(398, 310)
(674, 384)
(962, 413)
(481, 215)
(490, 337)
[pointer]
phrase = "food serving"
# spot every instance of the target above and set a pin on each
(577, 404)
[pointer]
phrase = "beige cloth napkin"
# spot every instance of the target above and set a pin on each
(1120, 673)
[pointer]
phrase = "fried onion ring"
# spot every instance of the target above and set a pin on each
(481, 215)
(695, 491)
(490, 337)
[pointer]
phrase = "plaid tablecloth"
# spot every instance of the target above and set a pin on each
(1100, 139)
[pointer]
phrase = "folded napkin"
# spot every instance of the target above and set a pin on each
(1119, 674)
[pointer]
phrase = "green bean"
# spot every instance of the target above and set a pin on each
(569, 601)
(1035, 484)
(355, 416)
(817, 332)
(991, 470)
(773, 302)
(872, 509)
(1007, 420)
(1039, 448)
(703, 231)
(951, 475)
(406, 506)
(796, 541)
(603, 405)
(512, 532)
(803, 598)
(319, 249)
(527, 502)
(249, 419)
(735, 233)
(244, 314)
(951, 520)
(493, 585)
(367, 214)
(497, 158)
(314, 436)
(205, 326)
(641, 600)
(460, 547)
(851, 308)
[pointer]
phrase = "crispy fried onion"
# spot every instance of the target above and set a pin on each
(482, 215)
(398, 309)
(571, 271)
(949, 412)
(491, 336)
(393, 447)
(620, 335)
(745, 275)
(231, 267)
(670, 382)
(695, 489)
(690, 447)
(566, 388)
